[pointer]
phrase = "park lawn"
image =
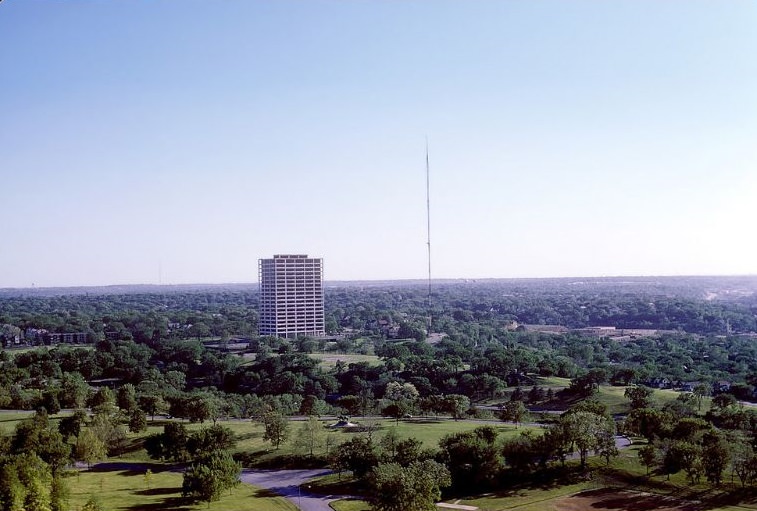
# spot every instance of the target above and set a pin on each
(555, 382)
(617, 403)
(524, 499)
(123, 488)
(350, 505)
(568, 498)
(328, 360)
(430, 431)
(613, 399)
(427, 430)
(9, 419)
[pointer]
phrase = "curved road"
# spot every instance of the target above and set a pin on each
(292, 484)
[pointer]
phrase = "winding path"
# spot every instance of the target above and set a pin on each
(292, 484)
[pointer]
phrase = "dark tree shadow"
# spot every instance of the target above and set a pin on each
(168, 504)
(158, 491)
(131, 469)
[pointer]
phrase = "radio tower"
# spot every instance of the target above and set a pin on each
(428, 237)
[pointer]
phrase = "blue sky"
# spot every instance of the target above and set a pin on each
(179, 141)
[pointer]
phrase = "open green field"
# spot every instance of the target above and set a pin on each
(616, 403)
(554, 382)
(9, 419)
(428, 431)
(260, 452)
(612, 396)
(125, 487)
(249, 434)
(623, 485)
(328, 360)
(350, 505)
(120, 483)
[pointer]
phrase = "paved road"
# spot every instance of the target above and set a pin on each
(621, 442)
(292, 484)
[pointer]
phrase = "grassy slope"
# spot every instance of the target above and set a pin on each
(127, 489)
(613, 396)
(123, 488)
(624, 472)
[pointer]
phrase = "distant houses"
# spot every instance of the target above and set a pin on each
(717, 387)
(12, 336)
(608, 332)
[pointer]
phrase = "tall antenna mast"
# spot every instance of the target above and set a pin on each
(428, 233)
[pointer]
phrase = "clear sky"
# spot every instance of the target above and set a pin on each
(148, 141)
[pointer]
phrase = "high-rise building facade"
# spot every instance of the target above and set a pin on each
(291, 296)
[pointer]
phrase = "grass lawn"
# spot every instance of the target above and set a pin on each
(528, 499)
(122, 488)
(617, 403)
(613, 398)
(350, 505)
(260, 453)
(427, 430)
(555, 382)
(249, 435)
(328, 360)
(622, 485)
(10, 418)
(430, 431)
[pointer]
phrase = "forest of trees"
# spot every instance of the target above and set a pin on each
(170, 354)
(172, 345)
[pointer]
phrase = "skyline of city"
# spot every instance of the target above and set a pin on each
(175, 143)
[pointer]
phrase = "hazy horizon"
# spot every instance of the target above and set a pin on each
(420, 281)
(178, 142)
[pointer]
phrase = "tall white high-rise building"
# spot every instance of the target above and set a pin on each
(291, 296)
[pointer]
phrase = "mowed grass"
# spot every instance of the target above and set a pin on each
(549, 499)
(9, 419)
(617, 403)
(249, 436)
(127, 488)
(624, 474)
(554, 382)
(428, 431)
(613, 397)
(329, 360)
(527, 499)
(350, 505)
(120, 483)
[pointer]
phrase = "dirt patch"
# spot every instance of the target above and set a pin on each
(621, 500)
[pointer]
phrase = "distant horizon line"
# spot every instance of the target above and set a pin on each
(420, 280)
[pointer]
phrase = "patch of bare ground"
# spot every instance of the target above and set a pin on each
(621, 500)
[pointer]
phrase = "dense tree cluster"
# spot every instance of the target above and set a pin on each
(161, 353)
(681, 440)
(151, 342)
(212, 469)
(30, 467)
